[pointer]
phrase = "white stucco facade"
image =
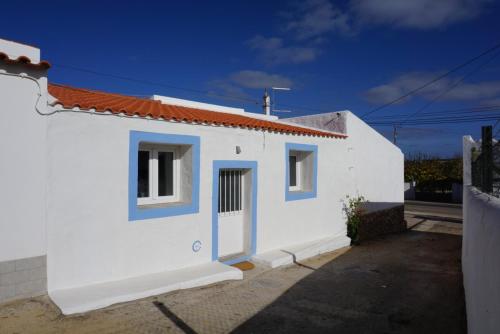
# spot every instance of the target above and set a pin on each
(24, 166)
(374, 164)
(66, 182)
(90, 238)
(480, 249)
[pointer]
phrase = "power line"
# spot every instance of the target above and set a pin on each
(496, 133)
(456, 68)
(493, 115)
(452, 87)
(440, 121)
(456, 112)
(170, 86)
(440, 115)
(159, 84)
(494, 126)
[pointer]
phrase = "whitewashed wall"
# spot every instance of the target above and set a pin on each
(90, 238)
(377, 165)
(23, 162)
(480, 252)
(481, 261)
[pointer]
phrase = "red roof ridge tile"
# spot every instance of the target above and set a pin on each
(70, 97)
(95, 91)
(43, 64)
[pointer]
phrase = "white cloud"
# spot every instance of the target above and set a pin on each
(306, 25)
(273, 51)
(259, 79)
(223, 88)
(234, 85)
(314, 18)
(410, 81)
(416, 14)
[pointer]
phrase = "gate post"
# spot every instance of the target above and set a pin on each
(487, 159)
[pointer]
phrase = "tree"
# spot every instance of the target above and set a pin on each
(431, 173)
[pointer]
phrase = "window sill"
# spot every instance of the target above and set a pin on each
(161, 205)
(299, 195)
(299, 191)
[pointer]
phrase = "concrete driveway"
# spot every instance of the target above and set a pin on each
(405, 283)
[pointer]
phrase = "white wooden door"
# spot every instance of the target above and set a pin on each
(231, 213)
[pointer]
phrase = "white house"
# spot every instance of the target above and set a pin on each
(107, 198)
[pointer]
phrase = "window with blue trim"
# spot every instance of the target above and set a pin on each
(158, 177)
(301, 171)
(163, 175)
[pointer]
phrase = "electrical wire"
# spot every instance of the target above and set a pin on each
(436, 79)
(39, 94)
(452, 87)
(494, 126)
(458, 112)
(439, 121)
(153, 83)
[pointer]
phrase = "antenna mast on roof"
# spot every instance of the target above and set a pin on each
(268, 102)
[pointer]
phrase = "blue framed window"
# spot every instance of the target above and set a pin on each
(164, 175)
(301, 162)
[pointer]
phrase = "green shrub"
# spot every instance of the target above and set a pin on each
(353, 211)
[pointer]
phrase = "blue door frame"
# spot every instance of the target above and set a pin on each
(236, 164)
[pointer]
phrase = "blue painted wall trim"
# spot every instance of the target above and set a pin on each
(298, 195)
(136, 213)
(241, 164)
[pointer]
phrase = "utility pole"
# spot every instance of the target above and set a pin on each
(487, 159)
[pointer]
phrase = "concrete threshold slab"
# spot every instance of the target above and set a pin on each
(287, 255)
(92, 297)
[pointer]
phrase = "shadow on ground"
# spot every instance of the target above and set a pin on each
(405, 283)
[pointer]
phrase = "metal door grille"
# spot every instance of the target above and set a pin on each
(230, 191)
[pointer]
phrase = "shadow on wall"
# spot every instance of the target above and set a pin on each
(365, 290)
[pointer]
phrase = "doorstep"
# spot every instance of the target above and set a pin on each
(288, 255)
(92, 297)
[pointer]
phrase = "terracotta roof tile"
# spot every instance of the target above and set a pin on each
(70, 97)
(43, 65)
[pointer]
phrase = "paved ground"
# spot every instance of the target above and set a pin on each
(436, 209)
(405, 283)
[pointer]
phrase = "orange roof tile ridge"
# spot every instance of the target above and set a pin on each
(171, 112)
(24, 60)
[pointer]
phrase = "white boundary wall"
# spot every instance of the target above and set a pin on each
(480, 254)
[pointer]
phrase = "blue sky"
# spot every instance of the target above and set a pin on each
(335, 55)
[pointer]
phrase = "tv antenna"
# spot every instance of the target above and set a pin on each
(271, 103)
